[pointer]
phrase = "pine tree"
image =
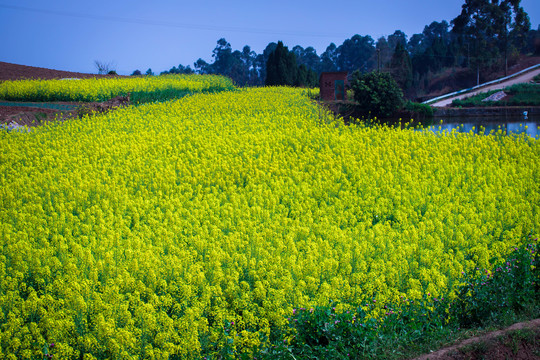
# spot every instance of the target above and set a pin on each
(281, 67)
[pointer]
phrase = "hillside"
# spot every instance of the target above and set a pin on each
(451, 80)
(9, 71)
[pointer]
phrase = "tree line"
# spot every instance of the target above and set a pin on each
(487, 36)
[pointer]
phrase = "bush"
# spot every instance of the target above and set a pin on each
(377, 93)
(421, 109)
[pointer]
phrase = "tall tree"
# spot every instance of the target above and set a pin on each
(384, 52)
(262, 59)
(416, 44)
(307, 57)
(356, 53)
(401, 68)
(223, 58)
(490, 27)
(281, 68)
(201, 66)
(397, 37)
(249, 59)
(329, 58)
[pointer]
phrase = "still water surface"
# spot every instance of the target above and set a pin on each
(529, 125)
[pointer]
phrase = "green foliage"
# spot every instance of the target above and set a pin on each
(181, 69)
(282, 69)
(409, 326)
(518, 95)
(112, 72)
(423, 110)
(510, 287)
(377, 93)
(143, 97)
(490, 28)
(306, 77)
(401, 68)
(355, 53)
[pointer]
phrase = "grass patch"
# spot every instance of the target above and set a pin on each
(143, 97)
(518, 95)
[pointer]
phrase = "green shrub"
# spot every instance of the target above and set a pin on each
(416, 108)
(377, 93)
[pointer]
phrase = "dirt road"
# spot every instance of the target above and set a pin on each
(523, 78)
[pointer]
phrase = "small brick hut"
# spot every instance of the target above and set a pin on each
(333, 85)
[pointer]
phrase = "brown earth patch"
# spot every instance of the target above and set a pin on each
(23, 115)
(35, 116)
(519, 341)
(9, 71)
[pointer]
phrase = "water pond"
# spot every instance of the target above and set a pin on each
(529, 125)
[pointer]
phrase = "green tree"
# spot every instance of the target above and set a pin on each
(397, 37)
(223, 57)
(306, 77)
(329, 58)
(356, 53)
(383, 53)
(201, 66)
(281, 67)
(377, 93)
(307, 57)
(400, 67)
(488, 29)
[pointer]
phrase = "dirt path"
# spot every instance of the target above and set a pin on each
(488, 347)
(516, 80)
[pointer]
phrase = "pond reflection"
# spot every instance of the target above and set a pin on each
(486, 125)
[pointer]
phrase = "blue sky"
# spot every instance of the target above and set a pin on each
(159, 34)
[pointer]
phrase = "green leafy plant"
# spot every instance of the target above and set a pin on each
(518, 95)
(423, 110)
(510, 287)
(408, 326)
(376, 93)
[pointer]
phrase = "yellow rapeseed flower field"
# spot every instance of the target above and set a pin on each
(150, 231)
(100, 89)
